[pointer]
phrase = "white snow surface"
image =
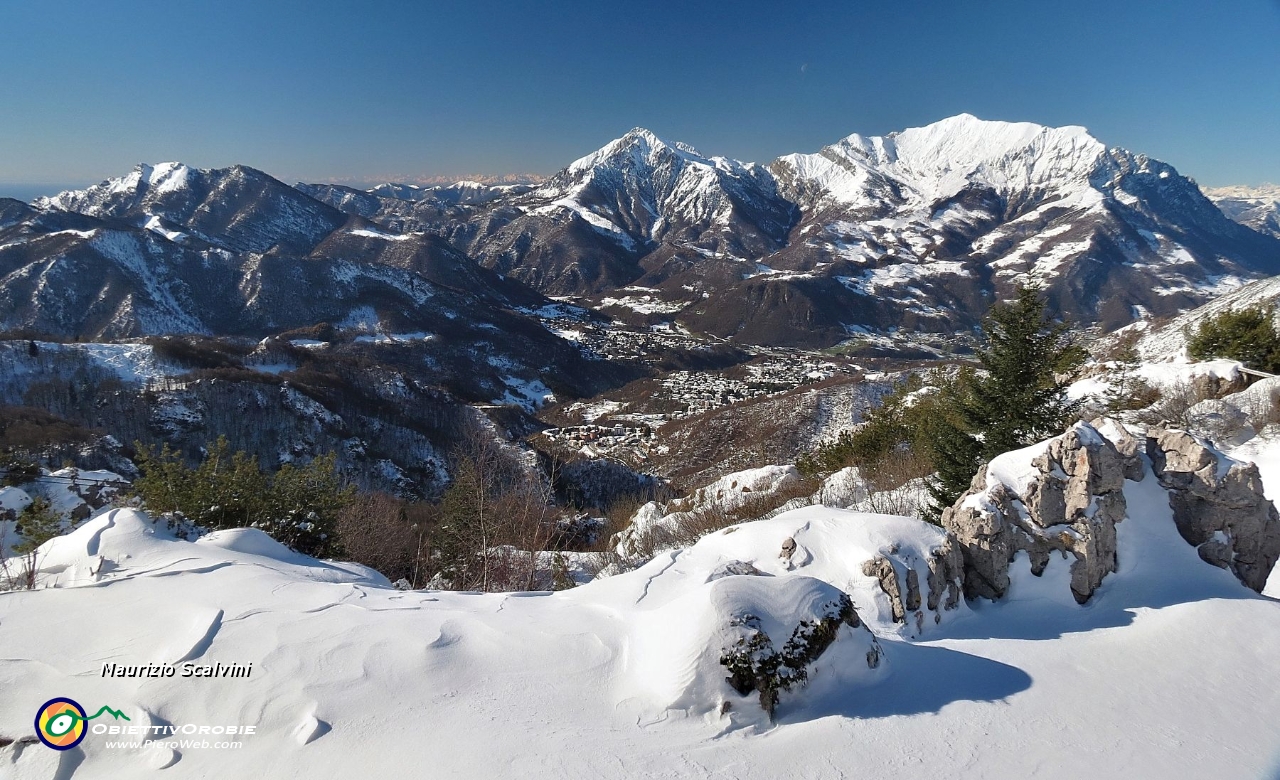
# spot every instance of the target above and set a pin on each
(528, 394)
(1164, 376)
(935, 162)
(1165, 673)
(364, 233)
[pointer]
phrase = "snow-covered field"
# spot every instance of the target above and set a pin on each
(1168, 672)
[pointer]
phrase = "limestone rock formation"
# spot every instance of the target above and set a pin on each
(1066, 496)
(1218, 505)
(942, 587)
(1068, 503)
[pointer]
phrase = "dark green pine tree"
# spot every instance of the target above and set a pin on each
(1019, 399)
(1016, 401)
(956, 454)
(462, 539)
(1248, 335)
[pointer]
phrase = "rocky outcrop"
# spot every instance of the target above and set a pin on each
(1234, 419)
(755, 664)
(1218, 505)
(1067, 498)
(906, 598)
(1068, 503)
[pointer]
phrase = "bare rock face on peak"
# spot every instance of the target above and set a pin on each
(1218, 505)
(1067, 498)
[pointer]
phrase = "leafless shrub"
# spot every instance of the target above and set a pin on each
(1132, 394)
(1174, 405)
(684, 529)
(1264, 411)
(1122, 348)
(897, 468)
(387, 534)
(908, 500)
(494, 519)
(893, 483)
(602, 554)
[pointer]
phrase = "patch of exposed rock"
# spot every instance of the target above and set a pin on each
(755, 664)
(1236, 418)
(901, 583)
(1067, 497)
(1218, 505)
(1068, 502)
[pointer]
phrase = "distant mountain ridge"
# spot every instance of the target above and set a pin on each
(1256, 207)
(169, 249)
(919, 230)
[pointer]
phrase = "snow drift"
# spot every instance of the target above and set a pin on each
(661, 671)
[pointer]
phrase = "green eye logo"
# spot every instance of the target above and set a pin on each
(60, 722)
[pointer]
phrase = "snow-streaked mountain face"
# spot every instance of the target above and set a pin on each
(173, 249)
(919, 230)
(639, 208)
(394, 334)
(919, 167)
(961, 210)
(1255, 207)
(236, 208)
(74, 275)
(642, 188)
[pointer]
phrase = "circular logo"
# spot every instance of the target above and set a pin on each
(60, 723)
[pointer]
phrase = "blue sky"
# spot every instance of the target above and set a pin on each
(322, 90)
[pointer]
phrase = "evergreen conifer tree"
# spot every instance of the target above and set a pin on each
(1248, 335)
(945, 434)
(302, 505)
(1017, 400)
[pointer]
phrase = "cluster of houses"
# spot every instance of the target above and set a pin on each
(597, 440)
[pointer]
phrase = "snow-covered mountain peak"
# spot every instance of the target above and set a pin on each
(166, 176)
(637, 150)
(238, 208)
(1260, 193)
(160, 178)
(925, 164)
(398, 191)
(1256, 207)
(965, 141)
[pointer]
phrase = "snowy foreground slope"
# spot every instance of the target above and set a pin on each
(1168, 671)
